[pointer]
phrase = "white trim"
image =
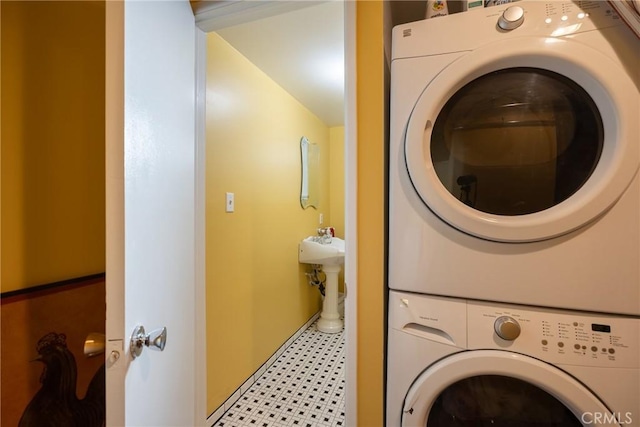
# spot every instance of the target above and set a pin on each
(114, 214)
(200, 310)
(351, 210)
(216, 15)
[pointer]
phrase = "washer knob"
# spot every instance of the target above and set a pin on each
(511, 18)
(507, 328)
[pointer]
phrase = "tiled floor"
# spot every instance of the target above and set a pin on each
(303, 387)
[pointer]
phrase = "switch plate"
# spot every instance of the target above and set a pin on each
(230, 202)
(321, 219)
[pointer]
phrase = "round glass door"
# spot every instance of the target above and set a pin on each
(498, 401)
(516, 141)
(524, 140)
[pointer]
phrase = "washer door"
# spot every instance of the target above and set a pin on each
(524, 140)
(498, 388)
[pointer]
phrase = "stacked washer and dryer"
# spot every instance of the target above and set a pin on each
(514, 233)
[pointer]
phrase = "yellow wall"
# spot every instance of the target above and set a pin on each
(257, 293)
(52, 135)
(371, 207)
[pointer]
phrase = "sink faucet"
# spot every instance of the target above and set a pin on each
(325, 235)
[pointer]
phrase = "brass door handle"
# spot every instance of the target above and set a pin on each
(94, 344)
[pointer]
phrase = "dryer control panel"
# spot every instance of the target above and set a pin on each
(563, 337)
(492, 24)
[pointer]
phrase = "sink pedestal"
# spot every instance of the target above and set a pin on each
(328, 252)
(330, 321)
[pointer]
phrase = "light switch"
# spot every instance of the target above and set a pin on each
(230, 204)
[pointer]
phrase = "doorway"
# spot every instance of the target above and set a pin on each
(253, 127)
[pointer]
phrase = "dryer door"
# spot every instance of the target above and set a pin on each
(524, 140)
(499, 388)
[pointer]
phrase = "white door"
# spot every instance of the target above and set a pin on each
(151, 214)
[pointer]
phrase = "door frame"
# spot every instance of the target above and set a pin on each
(114, 54)
(212, 16)
(114, 199)
(200, 309)
(351, 211)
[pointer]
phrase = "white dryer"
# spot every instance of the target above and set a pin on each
(514, 155)
(454, 362)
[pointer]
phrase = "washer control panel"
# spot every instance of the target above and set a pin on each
(507, 328)
(572, 338)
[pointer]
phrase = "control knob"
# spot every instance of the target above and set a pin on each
(511, 18)
(507, 328)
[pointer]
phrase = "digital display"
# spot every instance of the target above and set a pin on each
(600, 328)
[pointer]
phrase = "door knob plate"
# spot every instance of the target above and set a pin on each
(156, 340)
(137, 341)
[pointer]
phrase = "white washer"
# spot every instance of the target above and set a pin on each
(514, 157)
(448, 366)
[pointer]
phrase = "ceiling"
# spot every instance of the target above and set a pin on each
(302, 50)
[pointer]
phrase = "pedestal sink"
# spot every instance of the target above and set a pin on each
(329, 253)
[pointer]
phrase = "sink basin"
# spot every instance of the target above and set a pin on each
(313, 250)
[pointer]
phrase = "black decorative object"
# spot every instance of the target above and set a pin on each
(56, 403)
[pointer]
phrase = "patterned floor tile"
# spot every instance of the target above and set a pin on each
(304, 387)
